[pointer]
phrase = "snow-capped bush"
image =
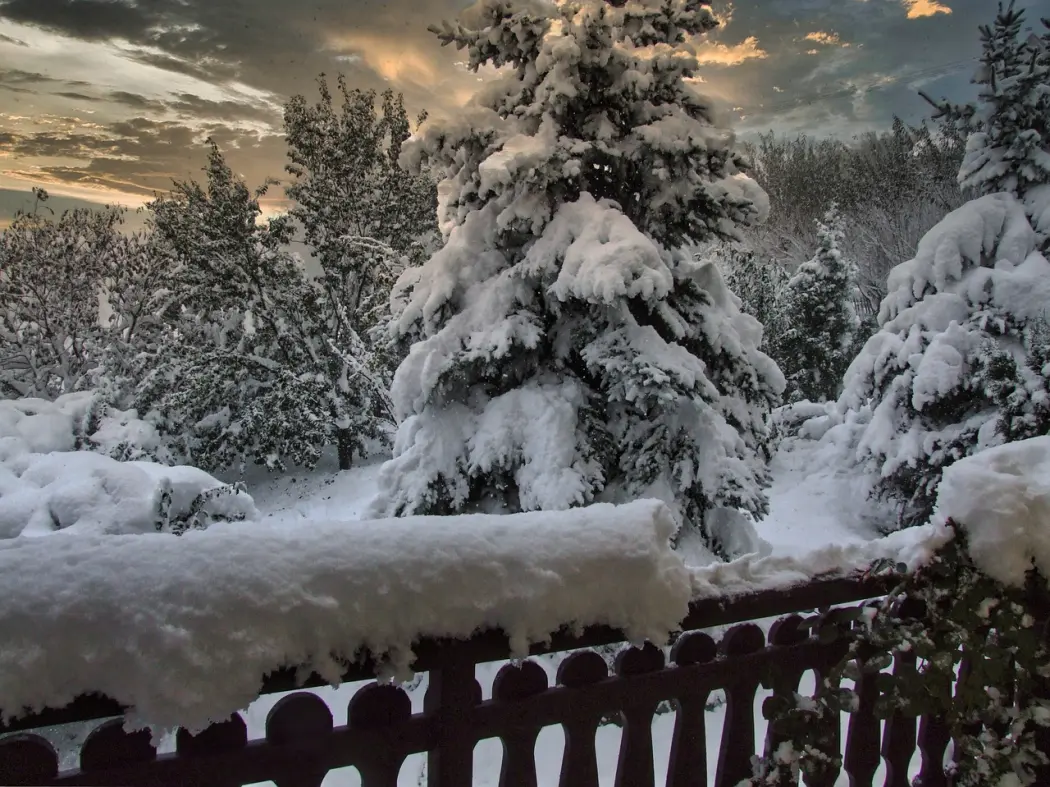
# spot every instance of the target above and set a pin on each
(46, 484)
(1001, 498)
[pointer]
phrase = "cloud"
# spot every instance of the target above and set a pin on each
(717, 53)
(822, 37)
(920, 8)
(86, 19)
(166, 73)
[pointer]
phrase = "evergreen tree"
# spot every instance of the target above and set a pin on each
(956, 364)
(364, 216)
(1008, 129)
(52, 271)
(816, 343)
(568, 348)
(249, 372)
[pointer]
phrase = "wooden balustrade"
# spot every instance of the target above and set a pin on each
(301, 744)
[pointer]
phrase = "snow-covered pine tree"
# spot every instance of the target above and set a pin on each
(52, 270)
(932, 379)
(249, 373)
(1008, 129)
(814, 347)
(950, 369)
(568, 348)
(365, 217)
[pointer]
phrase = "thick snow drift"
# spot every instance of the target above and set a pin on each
(46, 485)
(1001, 496)
(182, 629)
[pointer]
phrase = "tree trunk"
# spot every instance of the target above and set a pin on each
(345, 447)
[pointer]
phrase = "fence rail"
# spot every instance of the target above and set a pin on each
(301, 744)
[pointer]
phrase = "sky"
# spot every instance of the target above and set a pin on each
(109, 100)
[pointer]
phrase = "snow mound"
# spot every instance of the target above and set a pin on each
(46, 485)
(1001, 496)
(75, 420)
(183, 629)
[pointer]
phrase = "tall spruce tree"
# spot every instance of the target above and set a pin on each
(568, 348)
(815, 344)
(956, 364)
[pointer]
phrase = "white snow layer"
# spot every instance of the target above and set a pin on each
(46, 485)
(1001, 496)
(913, 547)
(182, 629)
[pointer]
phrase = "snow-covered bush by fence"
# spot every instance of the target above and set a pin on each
(47, 484)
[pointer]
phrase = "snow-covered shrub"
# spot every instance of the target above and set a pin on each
(54, 476)
(815, 343)
(805, 419)
(567, 346)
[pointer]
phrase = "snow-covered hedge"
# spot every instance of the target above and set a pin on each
(183, 629)
(46, 484)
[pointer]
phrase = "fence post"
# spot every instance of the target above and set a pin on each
(451, 696)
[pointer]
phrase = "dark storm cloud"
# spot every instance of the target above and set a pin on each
(87, 19)
(140, 155)
(135, 101)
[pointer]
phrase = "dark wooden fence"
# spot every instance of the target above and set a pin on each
(301, 744)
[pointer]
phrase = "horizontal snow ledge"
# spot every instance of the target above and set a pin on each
(914, 547)
(183, 629)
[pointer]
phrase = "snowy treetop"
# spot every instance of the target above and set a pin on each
(992, 232)
(588, 95)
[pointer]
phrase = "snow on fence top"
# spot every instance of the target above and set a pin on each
(913, 547)
(183, 629)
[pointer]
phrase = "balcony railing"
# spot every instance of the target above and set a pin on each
(301, 744)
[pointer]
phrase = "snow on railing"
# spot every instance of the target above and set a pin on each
(185, 632)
